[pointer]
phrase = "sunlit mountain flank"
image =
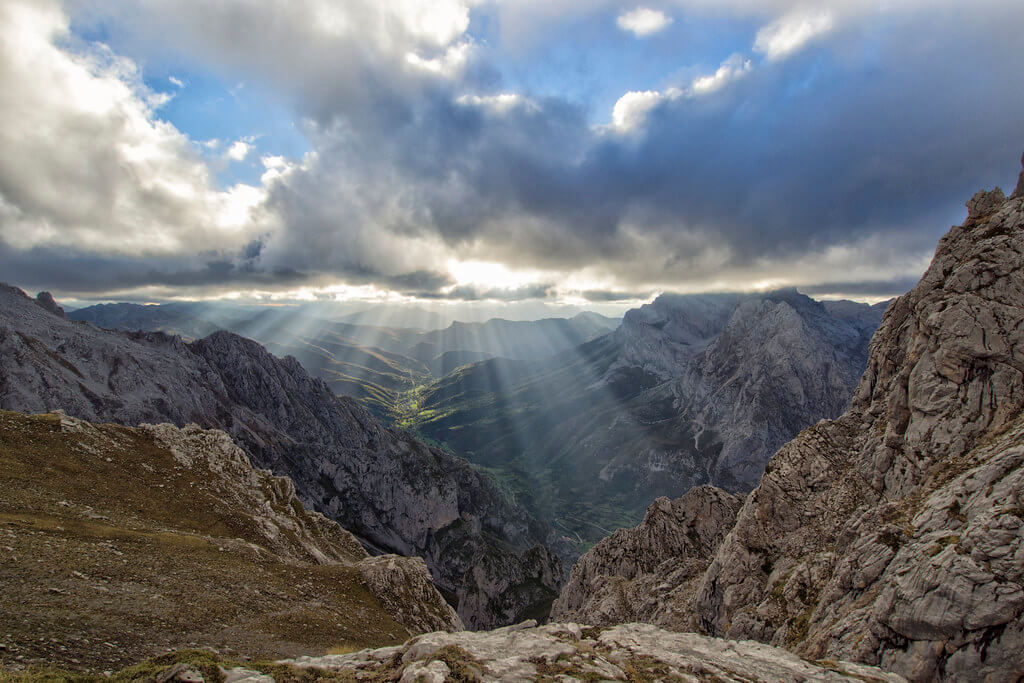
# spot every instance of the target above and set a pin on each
(509, 340)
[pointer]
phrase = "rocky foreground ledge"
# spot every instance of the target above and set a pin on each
(570, 652)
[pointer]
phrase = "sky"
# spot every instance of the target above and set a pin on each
(578, 153)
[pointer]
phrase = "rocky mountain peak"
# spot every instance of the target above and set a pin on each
(945, 367)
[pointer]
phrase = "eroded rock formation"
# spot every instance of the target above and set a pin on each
(650, 573)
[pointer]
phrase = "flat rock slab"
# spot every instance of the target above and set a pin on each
(573, 652)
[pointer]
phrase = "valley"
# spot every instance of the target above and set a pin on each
(587, 420)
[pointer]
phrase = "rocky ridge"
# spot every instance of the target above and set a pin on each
(736, 376)
(394, 492)
(650, 573)
(121, 542)
(403, 585)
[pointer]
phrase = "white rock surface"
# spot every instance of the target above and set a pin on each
(634, 652)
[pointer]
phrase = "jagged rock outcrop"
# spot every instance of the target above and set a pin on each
(650, 573)
(630, 652)
(404, 588)
(45, 299)
(394, 492)
(283, 524)
(402, 584)
(894, 535)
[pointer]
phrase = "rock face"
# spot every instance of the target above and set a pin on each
(737, 376)
(395, 493)
(650, 573)
(894, 535)
(630, 652)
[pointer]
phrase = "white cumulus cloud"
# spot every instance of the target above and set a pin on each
(238, 150)
(788, 34)
(643, 21)
(85, 161)
(631, 109)
(730, 69)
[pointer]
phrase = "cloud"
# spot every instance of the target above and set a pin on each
(176, 82)
(795, 171)
(631, 109)
(479, 293)
(449, 64)
(732, 68)
(608, 296)
(499, 103)
(86, 163)
(881, 289)
(643, 22)
(238, 150)
(790, 33)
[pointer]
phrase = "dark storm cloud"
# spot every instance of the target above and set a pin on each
(603, 296)
(872, 288)
(72, 272)
(473, 293)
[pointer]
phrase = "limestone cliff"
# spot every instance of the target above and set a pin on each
(894, 535)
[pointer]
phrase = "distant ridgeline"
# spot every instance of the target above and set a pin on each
(582, 420)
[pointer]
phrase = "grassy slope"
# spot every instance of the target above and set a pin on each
(107, 558)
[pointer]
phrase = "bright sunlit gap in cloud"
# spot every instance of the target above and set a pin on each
(491, 274)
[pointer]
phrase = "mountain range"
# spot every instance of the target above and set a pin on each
(356, 356)
(583, 420)
(885, 544)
